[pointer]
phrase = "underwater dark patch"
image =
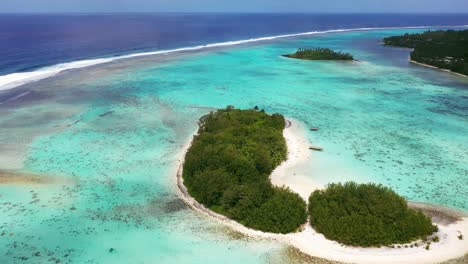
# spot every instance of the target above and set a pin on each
(175, 205)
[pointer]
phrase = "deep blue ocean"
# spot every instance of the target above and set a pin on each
(28, 42)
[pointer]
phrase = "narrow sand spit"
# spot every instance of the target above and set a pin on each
(437, 68)
(288, 173)
(315, 244)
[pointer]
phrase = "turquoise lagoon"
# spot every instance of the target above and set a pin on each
(110, 138)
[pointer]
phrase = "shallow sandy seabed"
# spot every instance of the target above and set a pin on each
(308, 241)
(22, 178)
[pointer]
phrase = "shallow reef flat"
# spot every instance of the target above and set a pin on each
(116, 129)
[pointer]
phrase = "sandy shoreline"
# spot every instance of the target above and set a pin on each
(298, 153)
(314, 244)
(437, 68)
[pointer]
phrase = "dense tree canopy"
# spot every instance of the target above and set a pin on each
(319, 54)
(366, 215)
(227, 169)
(442, 49)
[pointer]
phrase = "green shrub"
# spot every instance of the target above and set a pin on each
(366, 215)
(319, 54)
(227, 169)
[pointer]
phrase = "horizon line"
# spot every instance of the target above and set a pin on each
(230, 12)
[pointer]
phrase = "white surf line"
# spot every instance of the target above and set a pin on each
(12, 80)
(15, 97)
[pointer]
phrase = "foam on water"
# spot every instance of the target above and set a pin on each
(15, 97)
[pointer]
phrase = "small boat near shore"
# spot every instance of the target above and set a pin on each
(316, 148)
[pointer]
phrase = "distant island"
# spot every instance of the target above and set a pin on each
(319, 54)
(227, 169)
(442, 49)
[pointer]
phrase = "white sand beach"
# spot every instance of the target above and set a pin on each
(315, 244)
(289, 172)
(437, 68)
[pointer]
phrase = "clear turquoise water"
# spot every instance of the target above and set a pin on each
(380, 120)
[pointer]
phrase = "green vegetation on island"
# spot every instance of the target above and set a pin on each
(227, 169)
(319, 54)
(366, 215)
(443, 49)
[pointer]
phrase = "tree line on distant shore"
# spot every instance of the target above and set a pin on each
(227, 169)
(443, 49)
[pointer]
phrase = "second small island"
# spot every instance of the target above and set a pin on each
(319, 54)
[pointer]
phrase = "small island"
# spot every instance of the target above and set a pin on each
(366, 215)
(446, 50)
(319, 54)
(227, 169)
